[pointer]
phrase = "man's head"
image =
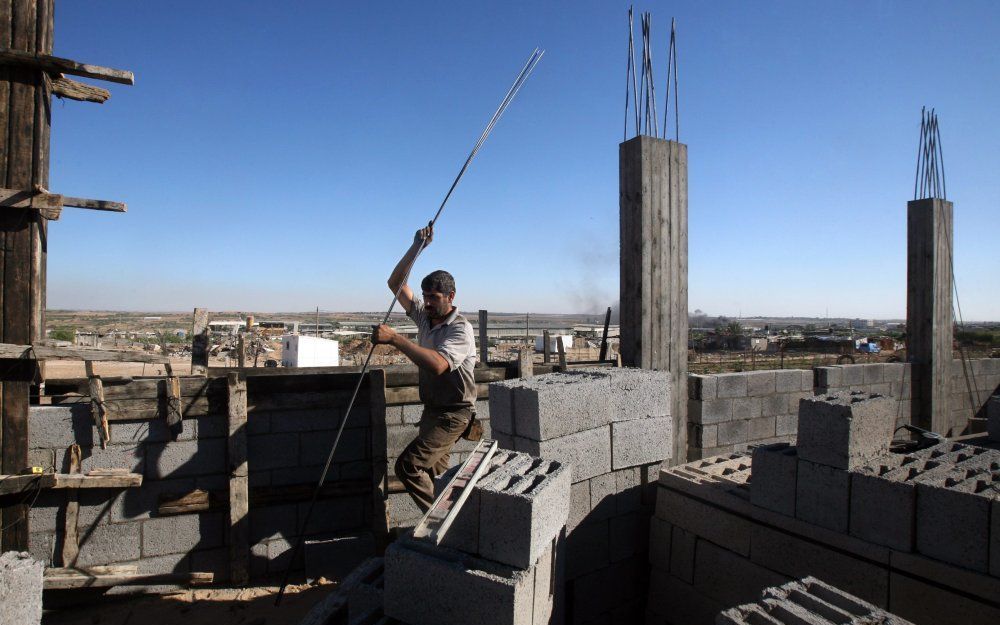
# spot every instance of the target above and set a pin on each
(438, 292)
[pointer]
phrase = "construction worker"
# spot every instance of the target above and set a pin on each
(445, 354)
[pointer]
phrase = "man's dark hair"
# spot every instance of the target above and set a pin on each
(440, 281)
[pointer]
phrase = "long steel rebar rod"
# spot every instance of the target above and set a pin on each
(529, 66)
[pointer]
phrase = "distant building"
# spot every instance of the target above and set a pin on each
(309, 351)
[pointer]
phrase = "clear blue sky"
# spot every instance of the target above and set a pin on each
(278, 156)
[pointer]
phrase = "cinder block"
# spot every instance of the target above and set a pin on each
(828, 378)
(637, 393)
(603, 490)
(953, 516)
(724, 529)
(806, 602)
(993, 417)
(641, 441)
(660, 543)
(579, 504)
(789, 380)
(588, 453)
(710, 411)
(674, 602)
(845, 430)
(873, 373)
(588, 549)
(786, 425)
(761, 428)
(107, 544)
(181, 533)
(774, 405)
(273, 521)
(628, 485)
(629, 535)
(682, 546)
(822, 495)
(702, 387)
(853, 375)
(20, 589)
(521, 514)
(731, 385)
(501, 397)
(435, 586)
(729, 578)
(932, 603)
(557, 404)
(733, 432)
(61, 426)
(335, 557)
(184, 458)
(883, 500)
(745, 408)
(597, 595)
(773, 483)
(761, 383)
(315, 447)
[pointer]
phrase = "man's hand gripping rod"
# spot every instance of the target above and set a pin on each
(529, 66)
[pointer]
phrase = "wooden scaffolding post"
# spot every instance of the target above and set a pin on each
(561, 347)
(71, 538)
(97, 406)
(25, 25)
(239, 497)
(199, 342)
(484, 344)
(546, 348)
(604, 337)
(525, 364)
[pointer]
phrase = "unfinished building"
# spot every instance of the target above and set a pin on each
(626, 494)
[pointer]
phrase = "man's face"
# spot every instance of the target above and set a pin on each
(438, 304)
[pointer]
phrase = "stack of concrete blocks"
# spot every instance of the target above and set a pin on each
(713, 546)
(808, 602)
(613, 426)
(500, 562)
(20, 589)
(124, 526)
(729, 411)
(401, 423)
(894, 380)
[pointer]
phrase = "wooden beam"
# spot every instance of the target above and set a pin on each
(546, 348)
(96, 205)
(63, 87)
(66, 579)
(604, 337)
(89, 480)
(484, 343)
(525, 362)
(199, 342)
(44, 352)
(239, 497)
(51, 204)
(23, 484)
(97, 407)
(404, 395)
(57, 65)
(562, 351)
(174, 416)
(71, 538)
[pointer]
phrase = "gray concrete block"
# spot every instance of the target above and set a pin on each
(317, 419)
(588, 453)
(502, 406)
(773, 483)
(761, 428)
(660, 538)
(641, 441)
(674, 602)
(557, 404)
(733, 432)
(523, 513)
(61, 426)
(774, 405)
(746, 408)
(845, 430)
(702, 386)
(823, 495)
(603, 492)
(315, 447)
(701, 436)
(731, 385)
(761, 383)
(629, 535)
(628, 484)
(682, 546)
(426, 586)
(335, 557)
(923, 602)
(883, 500)
(588, 548)
(20, 589)
(129, 456)
(638, 393)
(41, 546)
(953, 517)
(873, 373)
(181, 533)
(852, 375)
(579, 504)
(993, 418)
(107, 544)
(729, 578)
(710, 411)
(726, 530)
(335, 515)
(828, 378)
(789, 380)
(185, 458)
(786, 425)
(272, 522)
(806, 602)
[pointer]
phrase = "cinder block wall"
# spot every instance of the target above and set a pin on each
(728, 411)
(286, 448)
(895, 380)
(401, 427)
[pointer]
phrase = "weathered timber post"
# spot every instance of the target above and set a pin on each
(199, 342)
(653, 265)
(25, 25)
(525, 362)
(239, 475)
(546, 348)
(929, 311)
(484, 345)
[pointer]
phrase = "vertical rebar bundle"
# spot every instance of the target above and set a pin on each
(641, 92)
(929, 182)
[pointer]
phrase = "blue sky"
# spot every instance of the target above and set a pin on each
(278, 156)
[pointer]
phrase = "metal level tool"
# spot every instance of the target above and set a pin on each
(436, 521)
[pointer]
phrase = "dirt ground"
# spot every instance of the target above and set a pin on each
(209, 606)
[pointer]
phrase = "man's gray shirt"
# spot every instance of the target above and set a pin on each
(455, 341)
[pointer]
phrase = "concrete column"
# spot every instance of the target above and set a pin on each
(929, 311)
(654, 291)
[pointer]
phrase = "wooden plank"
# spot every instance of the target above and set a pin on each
(57, 65)
(67, 579)
(63, 87)
(19, 485)
(484, 343)
(199, 342)
(45, 352)
(546, 348)
(175, 413)
(604, 336)
(99, 410)
(71, 539)
(405, 395)
(525, 362)
(95, 205)
(239, 498)
(118, 480)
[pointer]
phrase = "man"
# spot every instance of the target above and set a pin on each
(445, 354)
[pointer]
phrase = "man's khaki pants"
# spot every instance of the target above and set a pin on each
(426, 457)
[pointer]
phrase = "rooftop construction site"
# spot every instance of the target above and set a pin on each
(426, 465)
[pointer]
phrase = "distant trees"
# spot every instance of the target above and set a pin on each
(64, 333)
